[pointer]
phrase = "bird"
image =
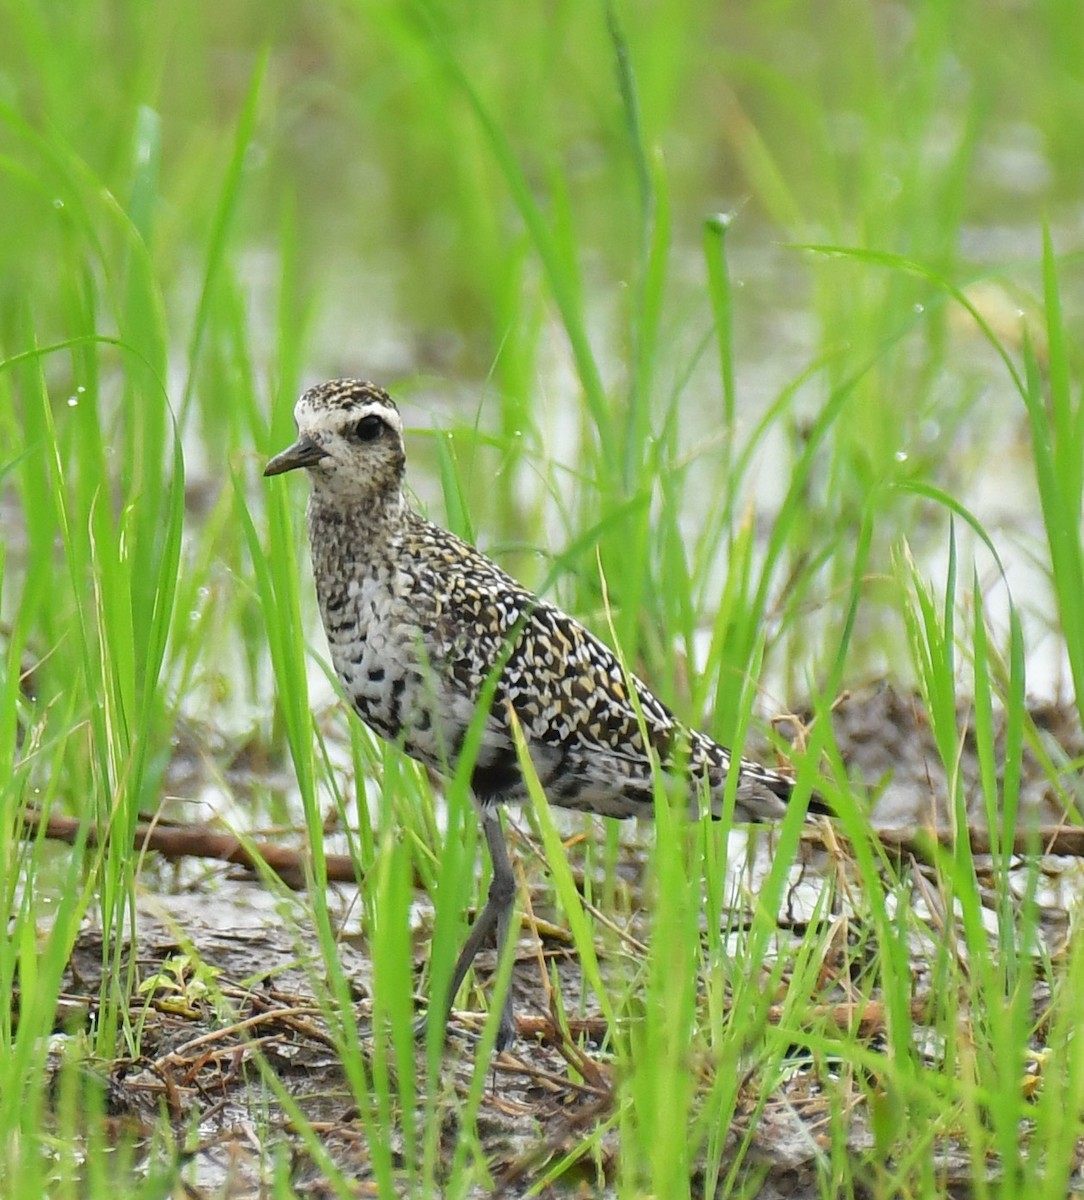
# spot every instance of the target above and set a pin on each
(423, 627)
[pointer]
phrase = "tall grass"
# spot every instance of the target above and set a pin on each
(573, 211)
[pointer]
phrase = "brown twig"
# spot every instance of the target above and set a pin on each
(865, 1017)
(1064, 840)
(199, 841)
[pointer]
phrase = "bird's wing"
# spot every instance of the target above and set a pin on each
(569, 690)
(572, 698)
(566, 687)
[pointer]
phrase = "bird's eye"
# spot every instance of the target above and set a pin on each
(369, 428)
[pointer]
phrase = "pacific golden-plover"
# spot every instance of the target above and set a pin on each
(417, 621)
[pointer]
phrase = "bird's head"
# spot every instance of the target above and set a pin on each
(350, 440)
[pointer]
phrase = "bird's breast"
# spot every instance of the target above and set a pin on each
(380, 634)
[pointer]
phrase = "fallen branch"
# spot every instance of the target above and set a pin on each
(1056, 840)
(199, 841)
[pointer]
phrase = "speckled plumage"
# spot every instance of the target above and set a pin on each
(417, 620)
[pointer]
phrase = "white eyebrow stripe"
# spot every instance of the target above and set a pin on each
(311, 419)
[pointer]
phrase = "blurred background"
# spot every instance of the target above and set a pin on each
(722, 307)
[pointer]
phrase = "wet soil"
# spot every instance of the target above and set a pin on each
(226, 1015)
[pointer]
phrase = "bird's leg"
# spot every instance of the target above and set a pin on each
(497, 914)
(505, 891)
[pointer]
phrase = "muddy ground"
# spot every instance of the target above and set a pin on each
(198, 1051)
